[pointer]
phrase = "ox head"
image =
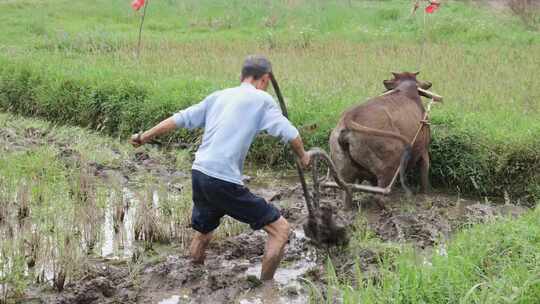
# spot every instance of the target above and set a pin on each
(407, 81)
(406, 77)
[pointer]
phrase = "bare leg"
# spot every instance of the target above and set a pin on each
(278, 234)
(198, 247)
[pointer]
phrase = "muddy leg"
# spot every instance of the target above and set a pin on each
(424, 173)
(198, 247)
(349, 177)
(278, 234)
(382, 182)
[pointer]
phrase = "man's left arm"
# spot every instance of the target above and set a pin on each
(278, 125)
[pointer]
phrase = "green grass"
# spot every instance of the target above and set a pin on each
(74, 63)
(498, 262)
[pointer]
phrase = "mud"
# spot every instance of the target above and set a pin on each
(124, 272)
(325, 227)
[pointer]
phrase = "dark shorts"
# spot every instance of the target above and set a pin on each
(213, 198)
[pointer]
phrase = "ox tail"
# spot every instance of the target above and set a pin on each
(405, 156)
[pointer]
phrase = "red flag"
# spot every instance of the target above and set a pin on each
(432, 7)
(137, 4)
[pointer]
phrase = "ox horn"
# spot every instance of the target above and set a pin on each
(395, 74)
(431, 95)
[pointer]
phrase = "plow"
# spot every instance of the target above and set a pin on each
(321, 226)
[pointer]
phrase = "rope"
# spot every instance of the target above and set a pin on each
(318, 154)
(422, 124)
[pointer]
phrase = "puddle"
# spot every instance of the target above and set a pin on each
(129, 223)
(155, 199)
(269, 294)
(107, 248)
(181, 298)
(120, 244)
(286, 287)
(112, 241)
(171, 300)
(288, 273)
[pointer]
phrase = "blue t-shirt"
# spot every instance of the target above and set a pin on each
(231, 119)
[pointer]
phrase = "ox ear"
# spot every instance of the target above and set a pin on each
(416, 73)
(424, 85)
(390, 84)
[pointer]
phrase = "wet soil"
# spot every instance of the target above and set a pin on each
(230, 274)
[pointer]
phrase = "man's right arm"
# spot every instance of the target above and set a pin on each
(163, 127)
(190, 118)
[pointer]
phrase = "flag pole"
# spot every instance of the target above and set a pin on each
(140, 29)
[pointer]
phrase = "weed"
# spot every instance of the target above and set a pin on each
(149, 226)
(527, 10)
(487, 263)
(24, 203)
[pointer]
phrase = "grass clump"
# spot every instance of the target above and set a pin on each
(496, 262)
(40, 235)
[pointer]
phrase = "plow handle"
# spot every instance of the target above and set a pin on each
(301, 176)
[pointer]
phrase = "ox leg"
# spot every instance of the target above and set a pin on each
(345, 168)
(383, 180)
(349, 176)
(424, 172)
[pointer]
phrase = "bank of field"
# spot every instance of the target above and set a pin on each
(74, 62)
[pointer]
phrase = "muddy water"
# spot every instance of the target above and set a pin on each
(270, 294)
(173, 300)
(286, 277)
(289, 273)
(120, 245)
(286, 288)
(107, 248)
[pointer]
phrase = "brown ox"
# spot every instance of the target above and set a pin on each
(371, 140)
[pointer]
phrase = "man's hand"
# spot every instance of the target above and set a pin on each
(163, 127)
(136, 140)
(304, 157)
(305, 160)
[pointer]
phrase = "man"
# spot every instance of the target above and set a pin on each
(231, 119)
